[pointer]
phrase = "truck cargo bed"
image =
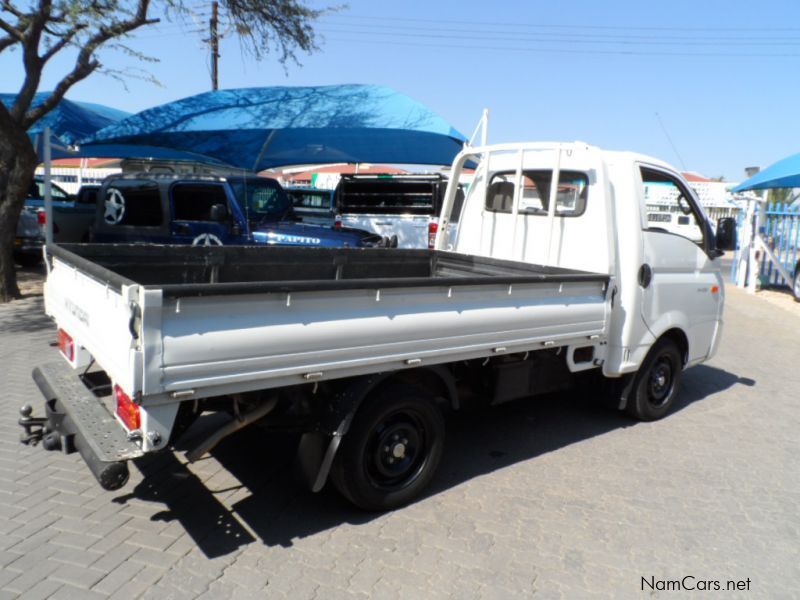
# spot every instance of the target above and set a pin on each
(177, 321)
(200, 270)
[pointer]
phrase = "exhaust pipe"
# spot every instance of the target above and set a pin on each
(231, 427)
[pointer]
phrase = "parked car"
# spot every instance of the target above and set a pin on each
(405, 206)
(210, 211)
(29, 237)
(72, 217)
(314, 205)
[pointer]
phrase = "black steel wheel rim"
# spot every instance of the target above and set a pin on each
(397, 451)
(660, 382)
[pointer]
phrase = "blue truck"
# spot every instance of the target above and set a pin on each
(210, 211)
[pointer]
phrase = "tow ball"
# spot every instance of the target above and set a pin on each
(37, 430)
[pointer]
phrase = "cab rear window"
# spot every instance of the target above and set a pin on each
(570, 197)
(388, 196)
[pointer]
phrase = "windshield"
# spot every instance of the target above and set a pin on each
(261, 199)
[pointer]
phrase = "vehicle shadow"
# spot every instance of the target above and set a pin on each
(278, 510)
(25, 315)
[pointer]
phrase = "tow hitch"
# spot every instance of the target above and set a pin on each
(77, 421)
(35, 427)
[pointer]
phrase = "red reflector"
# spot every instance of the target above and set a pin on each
(714, 289)
(41, 216)
(433, 228)
(66, 345)
(126, 409)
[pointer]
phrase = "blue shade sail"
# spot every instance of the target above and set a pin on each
(260, 128)
(70, 121)
(783, 174)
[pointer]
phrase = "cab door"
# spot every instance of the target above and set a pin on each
(679, 277)
(193, 214)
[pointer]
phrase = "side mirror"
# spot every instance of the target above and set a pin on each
(726, 233)
(219, 213)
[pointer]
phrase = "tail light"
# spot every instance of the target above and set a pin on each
(66, 345)
(337, 221)
(127, 410)
(41, 218)
(433, 229)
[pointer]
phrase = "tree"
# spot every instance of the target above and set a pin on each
(42, 29)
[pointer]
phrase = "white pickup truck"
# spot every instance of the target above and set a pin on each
(557, 275)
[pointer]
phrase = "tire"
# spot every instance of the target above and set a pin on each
(796, 284)
(392, 449)
(656, 383)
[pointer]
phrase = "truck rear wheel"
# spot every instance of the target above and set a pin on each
(392, 449)
(656, 383)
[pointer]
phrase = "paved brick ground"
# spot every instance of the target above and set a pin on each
(556, 499)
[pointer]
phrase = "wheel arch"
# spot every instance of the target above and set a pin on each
(318, 449)
(681, 340)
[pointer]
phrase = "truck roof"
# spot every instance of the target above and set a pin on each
(611, 156)
(186, 177)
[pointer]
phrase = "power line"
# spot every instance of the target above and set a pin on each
(771, 39)
(444, 22)
(584, 51)
(584, 40)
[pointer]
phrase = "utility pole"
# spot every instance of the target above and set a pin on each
(214, 45)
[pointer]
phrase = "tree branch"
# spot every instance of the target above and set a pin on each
(30, 56)
(86, 63)
(7, 41)
(12, 31)
(64, 40)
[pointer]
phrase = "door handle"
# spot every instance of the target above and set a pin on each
(645, 275)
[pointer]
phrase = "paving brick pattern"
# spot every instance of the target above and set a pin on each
(556, 499)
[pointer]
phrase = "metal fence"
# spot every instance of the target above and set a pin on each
(779, 229)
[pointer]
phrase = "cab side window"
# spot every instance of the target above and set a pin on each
(193, 202)
(37, 191)
(669, 207)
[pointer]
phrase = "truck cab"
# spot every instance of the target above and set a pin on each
(209, 211)
(576, 206)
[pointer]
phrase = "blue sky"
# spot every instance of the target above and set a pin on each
(706, 85)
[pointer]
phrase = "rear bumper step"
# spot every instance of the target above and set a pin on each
(78, 421)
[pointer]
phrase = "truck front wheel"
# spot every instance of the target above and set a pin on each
(392, 449)
(656, 383)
